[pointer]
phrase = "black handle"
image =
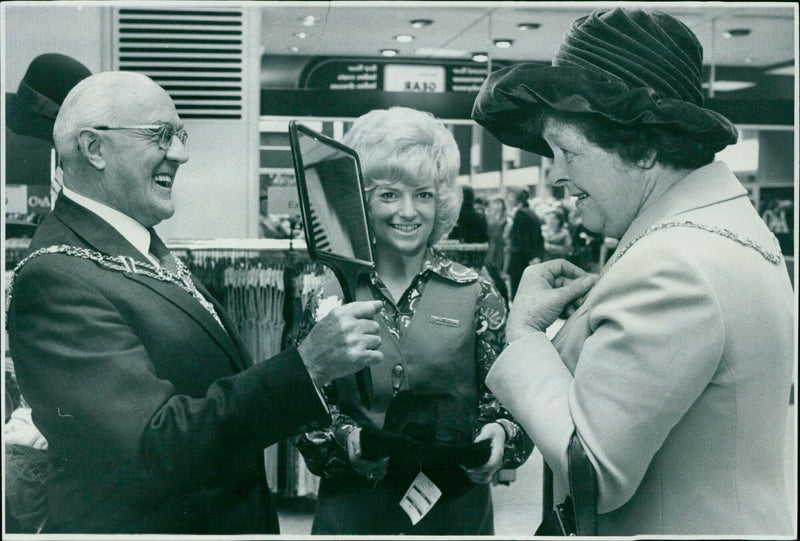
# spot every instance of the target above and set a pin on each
(364, 383)
(347, 274)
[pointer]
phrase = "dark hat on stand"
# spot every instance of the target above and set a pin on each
(32, 110)
(631, 66)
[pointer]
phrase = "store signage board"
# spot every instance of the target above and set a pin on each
(406, 75)
(333, 206)
(413, 78)
(283, 201)
(27, 199)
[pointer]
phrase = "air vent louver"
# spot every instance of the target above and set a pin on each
(195, 55)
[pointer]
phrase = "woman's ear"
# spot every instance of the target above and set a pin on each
(91, 147)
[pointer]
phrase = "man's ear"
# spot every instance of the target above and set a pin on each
(91, 147)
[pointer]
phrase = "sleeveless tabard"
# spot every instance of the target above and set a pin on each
(436, 351)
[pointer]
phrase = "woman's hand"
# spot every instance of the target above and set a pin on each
(497, 435)
(544, 291)
(374, 470)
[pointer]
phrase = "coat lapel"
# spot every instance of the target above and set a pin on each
(703, 187)
(99, 235)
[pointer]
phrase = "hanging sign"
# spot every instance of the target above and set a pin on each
(407, 75)
(27, 199)
(345, 75)
(467, 78)
(413, 78)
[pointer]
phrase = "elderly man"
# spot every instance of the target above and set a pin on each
(155, 414)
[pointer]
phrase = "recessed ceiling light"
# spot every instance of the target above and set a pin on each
(389, 52)
(293, 49)
(503, 43)
(736, 33)
(404, 38)
(784, 70)
(308, 20)
(524, 27)
(730, 86)
(421, 23)
(301, 35)
(480, 57)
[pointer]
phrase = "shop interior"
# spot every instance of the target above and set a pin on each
(238, 73)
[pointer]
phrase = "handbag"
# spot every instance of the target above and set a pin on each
(577, 514)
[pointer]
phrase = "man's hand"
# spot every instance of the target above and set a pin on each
(497, 435)
(343, 342)
(544, 291)
(374, 470)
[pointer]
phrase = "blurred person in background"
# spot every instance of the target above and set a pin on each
(557, 237)
(471, 225)
(525, 241)
(480, 206)
(497, 224)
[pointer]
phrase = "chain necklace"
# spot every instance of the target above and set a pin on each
(772, 257)
(124, 264)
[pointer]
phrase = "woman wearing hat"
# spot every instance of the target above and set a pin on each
(442, 326)
(675, 372)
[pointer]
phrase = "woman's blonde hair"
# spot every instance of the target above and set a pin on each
(407, 145)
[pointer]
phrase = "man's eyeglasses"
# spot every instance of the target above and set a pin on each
(165, 132)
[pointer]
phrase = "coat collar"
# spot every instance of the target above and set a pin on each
(708, 185)
(446, 268)
(92, 229)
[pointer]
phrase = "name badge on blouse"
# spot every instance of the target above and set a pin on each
(439, 320)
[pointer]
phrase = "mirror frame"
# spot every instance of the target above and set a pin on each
(295, 129)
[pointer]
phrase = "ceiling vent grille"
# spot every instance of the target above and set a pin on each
(195, 55)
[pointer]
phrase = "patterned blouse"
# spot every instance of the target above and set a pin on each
(326, 456)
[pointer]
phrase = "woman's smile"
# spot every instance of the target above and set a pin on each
(405, 228)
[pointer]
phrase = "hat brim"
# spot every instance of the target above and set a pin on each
(23, 121)
(515, 93)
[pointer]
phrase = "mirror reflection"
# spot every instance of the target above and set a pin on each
(337, 218)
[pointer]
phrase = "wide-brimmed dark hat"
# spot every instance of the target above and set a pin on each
(631, 66)
(32, 110)
(431, 433)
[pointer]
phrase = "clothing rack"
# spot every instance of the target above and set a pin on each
(470, 254)
(263, 285)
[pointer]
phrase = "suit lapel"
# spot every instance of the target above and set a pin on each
(193, 308)
(99, 235)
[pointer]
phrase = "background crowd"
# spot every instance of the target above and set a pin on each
(547, 228)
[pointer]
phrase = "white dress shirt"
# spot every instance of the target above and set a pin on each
(130, 229)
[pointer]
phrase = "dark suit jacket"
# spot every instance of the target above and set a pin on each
(525, 237)
(470, 228)
(156, 418)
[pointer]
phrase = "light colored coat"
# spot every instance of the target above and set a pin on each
(675, 371)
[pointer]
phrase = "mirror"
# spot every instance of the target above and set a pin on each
(329, 181)
(333, 206)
